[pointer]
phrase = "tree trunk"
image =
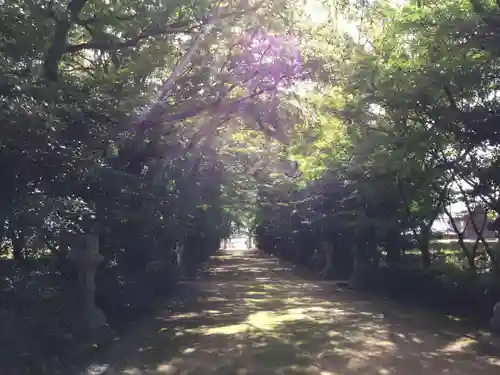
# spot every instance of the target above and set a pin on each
(17, 238)
(424, 247)
(327, 269)
(463, 246)
(470, 255)
(355, 275)
(426, 255)
(359, 276)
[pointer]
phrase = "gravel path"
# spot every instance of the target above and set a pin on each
(248, 314)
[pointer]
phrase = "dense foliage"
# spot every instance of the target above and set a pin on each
(113, 118)
(405, 131)
(170, 124)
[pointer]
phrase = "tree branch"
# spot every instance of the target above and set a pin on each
(195, 111)
(133, 41)
(59, 41)
(59, 46)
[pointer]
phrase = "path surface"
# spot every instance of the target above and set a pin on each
(249, 315)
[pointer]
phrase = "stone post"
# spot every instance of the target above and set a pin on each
(86, 259)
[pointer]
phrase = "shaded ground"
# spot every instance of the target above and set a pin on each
(247, 314)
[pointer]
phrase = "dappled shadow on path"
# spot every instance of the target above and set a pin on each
(247, 314)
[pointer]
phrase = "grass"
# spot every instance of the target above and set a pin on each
(450, 252)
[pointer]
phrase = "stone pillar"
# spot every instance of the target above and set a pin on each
(86, 259)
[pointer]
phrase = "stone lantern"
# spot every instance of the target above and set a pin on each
(86, 258)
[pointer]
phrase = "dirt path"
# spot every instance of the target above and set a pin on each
(248, 314)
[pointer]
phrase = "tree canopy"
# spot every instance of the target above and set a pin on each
(337, 132)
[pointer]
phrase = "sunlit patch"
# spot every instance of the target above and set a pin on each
(256, 294)
(355, 349)
(169, 368)
(263, 320)
(298, 311)
(225, 330)
(365, 313)
(493, 361)
(267, 320)
(430, 355)
(458, 345)
(328, 315)
(417, 340)
(377, 342)
(216, 299)
(356, 364)
(262, 279)
(184, 316)
(329, 361)
(317, 308)
(270, 287)
(254, 301)
(260, 345)
(251, 269)
(334, 333)
(131, 371)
